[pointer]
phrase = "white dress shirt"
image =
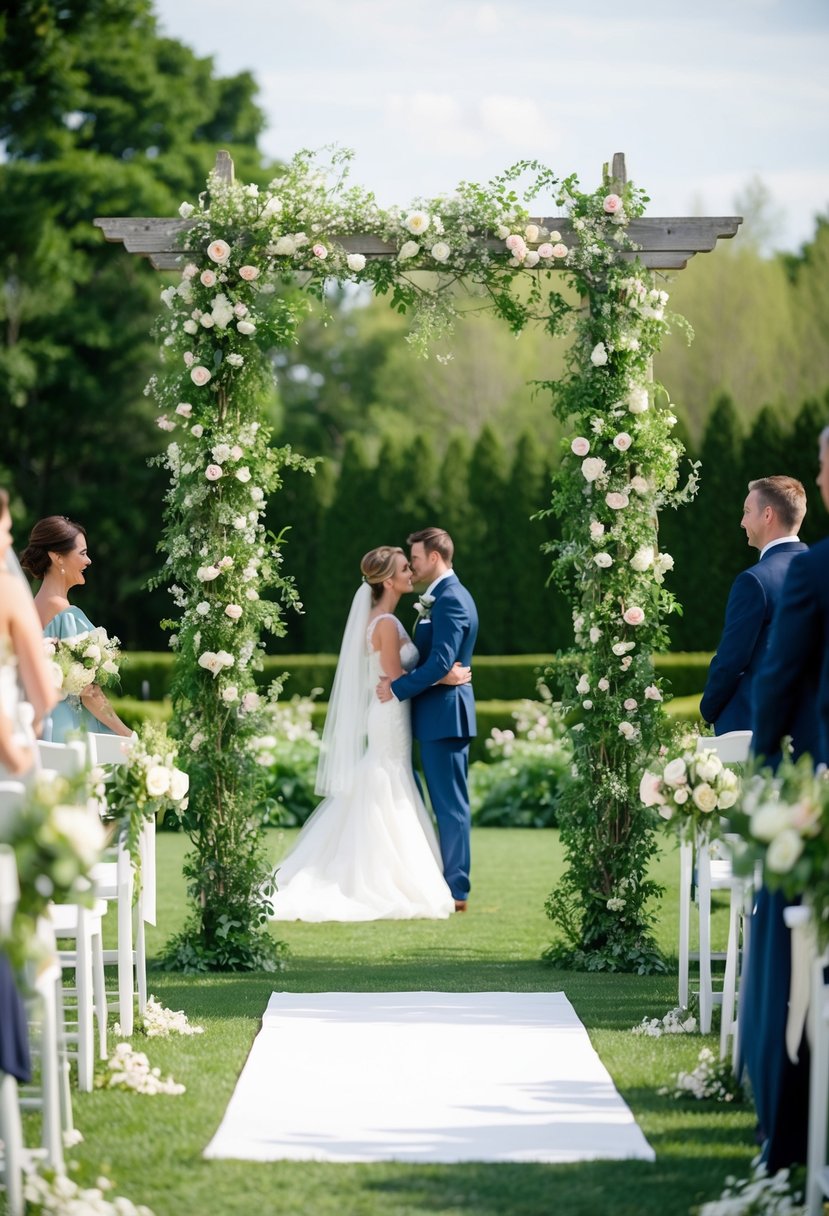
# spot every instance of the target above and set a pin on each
(779, 540)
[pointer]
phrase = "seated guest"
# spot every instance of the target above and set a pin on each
(772, 514)
(57, 554)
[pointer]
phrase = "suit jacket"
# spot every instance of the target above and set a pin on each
(438, 710)
(726, 701)
(791, 689)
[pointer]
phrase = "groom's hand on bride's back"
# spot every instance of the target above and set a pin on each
(383, 689)
(457, 674)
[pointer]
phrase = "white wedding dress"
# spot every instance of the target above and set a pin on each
(369, 852)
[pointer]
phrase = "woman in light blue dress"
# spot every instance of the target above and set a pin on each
(57, 554)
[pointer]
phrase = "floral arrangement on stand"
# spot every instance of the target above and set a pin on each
(690, 790)
(783, 823)
(87, 658)
(521, 784)
(57, 838)
(146, 785)
(252, 259)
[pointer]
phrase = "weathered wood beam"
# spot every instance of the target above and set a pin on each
(664, 243)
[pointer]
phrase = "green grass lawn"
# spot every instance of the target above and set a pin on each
(152, 1146)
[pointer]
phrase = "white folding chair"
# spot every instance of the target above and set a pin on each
(47, 1042)
(11, 1129)
(713, 874)
(817, 1156)
(83, 926)
(114, 881)
(68, 759)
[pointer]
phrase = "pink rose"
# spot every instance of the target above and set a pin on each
(184, 408)
(200, 375)
(250, 701)
(612, 204)
(652, 693)
(218, 252)
(631, 704)
(545, 250)
(213, 472)
(633, 616)
(249, 273)
(580, 446)
(236, 452)
(189, 272)
(622, 441)
(240, 309)
(189, 358)
(319, 251)
(559, 250)
(516, 245)
(650, 790)
(207, 278)
(616, 502)
(233, 611)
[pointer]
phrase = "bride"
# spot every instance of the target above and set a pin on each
(369, 851)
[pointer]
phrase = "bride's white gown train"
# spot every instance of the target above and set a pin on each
(371, 852)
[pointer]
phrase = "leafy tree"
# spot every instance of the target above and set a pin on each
(537, 618)
(490, 545)
(87, 91)
(803, 460)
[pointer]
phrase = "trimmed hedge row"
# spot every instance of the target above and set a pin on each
(497, 677)
(490, 714)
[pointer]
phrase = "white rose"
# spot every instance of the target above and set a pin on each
(705, 798)
(652, 693)
(243, 474)
(675, 772)
(709, 767)
(409, 249)
(603, 684)
(186, 210)
(770, 820)
(784, 851)
(681, 795)
(285, 246)
(230, 694)
(726, 799)
(179, 783)
(158, 780)
(246, 327)
(233, 611)
(583, 686)
(592, 468)
(596, 530)
(603, 560)
(638, 400)
(440, 251)
(84, 831)
(642, 558)
(356, 262)
(206, 574)
(190, 326)
(639, 485)
(417, 222)
(598, 355)
(627, 730)
(622, 441)
(595, 634)
(532, 232)
(203, 608)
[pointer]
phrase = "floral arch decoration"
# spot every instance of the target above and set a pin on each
(241, 246)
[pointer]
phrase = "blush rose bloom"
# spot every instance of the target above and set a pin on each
(184, 408)
(233, 611)
(612, 204)
(545, 250)
(213, 472)
(200, 375)
(516, 245)
(650, 790)
(627, 730)
(596, 530)
(675, 773)
(580, 446)
(319, 251)
(616, 502)
(207, 278)
(633, 616)
(652, 693)
(249, 273)
(218, 252)
(559, 250)
(622, 441)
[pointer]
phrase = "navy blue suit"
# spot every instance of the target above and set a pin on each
(791, 697)
(443, 720)
(726, 701)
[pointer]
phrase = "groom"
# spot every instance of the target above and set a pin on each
(443, 716)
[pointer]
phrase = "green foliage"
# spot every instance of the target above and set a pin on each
(528, 768)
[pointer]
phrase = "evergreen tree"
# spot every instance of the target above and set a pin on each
(454, 510)
(419, 499)
(719, 550)
(99, 115)
(766, 448)
(532, 624)
(300, 507)
(802, 462)
(490, 542)
(348, 531)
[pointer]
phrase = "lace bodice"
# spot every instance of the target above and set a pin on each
(409, 654)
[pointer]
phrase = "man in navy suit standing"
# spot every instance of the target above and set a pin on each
(443, 716)
(772, 514)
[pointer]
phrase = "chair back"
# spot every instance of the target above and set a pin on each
(12, 798)
(9, 889)
(108, 749)
(68, 759)
(734, 747)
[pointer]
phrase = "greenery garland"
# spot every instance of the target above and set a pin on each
(253, 259)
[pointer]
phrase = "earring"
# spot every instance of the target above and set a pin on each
(62, 570)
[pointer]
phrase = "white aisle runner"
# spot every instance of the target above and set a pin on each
(425, 1077)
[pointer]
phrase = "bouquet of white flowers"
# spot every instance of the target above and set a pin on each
(87, 658)
(690, 789)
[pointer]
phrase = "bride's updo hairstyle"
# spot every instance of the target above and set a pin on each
(377, 566)
(54, 534)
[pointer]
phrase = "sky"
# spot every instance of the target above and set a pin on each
(702, 98)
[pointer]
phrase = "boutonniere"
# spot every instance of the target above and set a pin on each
(423, 607)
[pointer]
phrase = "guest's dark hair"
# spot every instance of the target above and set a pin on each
(434, 540)
(785, 496)
(54, 534)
